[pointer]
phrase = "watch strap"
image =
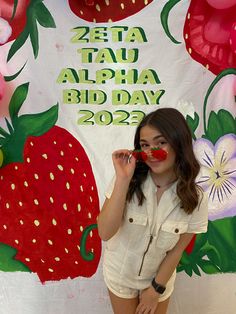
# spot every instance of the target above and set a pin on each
(157, 287)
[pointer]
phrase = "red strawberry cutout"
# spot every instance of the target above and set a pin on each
(49, 201)
(139, 155)
(159, 154)
(101, 11)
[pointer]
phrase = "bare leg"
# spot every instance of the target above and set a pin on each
(162, 307)
(121, 305)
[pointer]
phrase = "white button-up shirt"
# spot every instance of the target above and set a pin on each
(133, 255)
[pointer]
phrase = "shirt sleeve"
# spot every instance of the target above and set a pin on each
(110, 188)
(199, 220)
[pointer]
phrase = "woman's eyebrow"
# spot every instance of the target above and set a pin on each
(155, 138)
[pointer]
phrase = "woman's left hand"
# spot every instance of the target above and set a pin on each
(148, 301)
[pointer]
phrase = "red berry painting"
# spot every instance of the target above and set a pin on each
(101, 11)
(210, 33)
(48, 196)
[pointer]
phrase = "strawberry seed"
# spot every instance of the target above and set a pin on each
(54, 222)
(37, 223)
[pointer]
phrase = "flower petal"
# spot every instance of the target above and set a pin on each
(225, 148)
(204, 152)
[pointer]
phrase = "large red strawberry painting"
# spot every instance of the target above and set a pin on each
(48, 196)
(101, 11)
(210, 33)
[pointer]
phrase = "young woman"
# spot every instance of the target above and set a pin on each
(151, 212)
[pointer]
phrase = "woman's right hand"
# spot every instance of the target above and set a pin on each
(124, 163)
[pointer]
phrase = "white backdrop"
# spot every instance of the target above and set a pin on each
(185, 84)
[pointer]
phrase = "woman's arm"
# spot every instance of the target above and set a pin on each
(149, 297)
(110, 217)
(172, 259)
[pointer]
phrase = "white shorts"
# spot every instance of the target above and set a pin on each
(125, 292)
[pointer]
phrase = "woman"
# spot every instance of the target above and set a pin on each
(151, 212)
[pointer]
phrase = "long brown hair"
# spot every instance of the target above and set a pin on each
(173, 126)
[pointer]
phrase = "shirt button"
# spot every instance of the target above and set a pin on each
(176, 230)
(131, 220)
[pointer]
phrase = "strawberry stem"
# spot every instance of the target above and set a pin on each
(87, 256)
(21, 127)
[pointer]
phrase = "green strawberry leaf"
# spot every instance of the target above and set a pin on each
(189, 271)
(37, 124)
(14, 9)
(34, 36)
(17, 101)
(164, 19)
(196, 269)
(7, 261)
(221, 235)
(208, 267)
(27, 125)
(214, 128)
(193, 124)
(18, 43)
(227, 122)
(44, 17)
(4, 133)
(31, 28)
(219, 124)
(201, 239)
(10, 128)
(12, 77)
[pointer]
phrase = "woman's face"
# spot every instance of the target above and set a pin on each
(152, 138)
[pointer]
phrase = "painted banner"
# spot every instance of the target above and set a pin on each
(76, 78)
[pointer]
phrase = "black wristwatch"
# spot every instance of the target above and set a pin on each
(157, 287)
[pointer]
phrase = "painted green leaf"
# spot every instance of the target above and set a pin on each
(27, 125)
(222, 235)
(12, 77)
(17, 101)
(18, 43)
(193, 123)
(214, 128)
(208, 267)
(219, 124)
(189, 271)
(7, 261)
(43, 16)
(200, 241)
(34, 35)
(227, 122)
(38, 123)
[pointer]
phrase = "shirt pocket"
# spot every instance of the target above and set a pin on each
(169, 234)
(131, 230)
